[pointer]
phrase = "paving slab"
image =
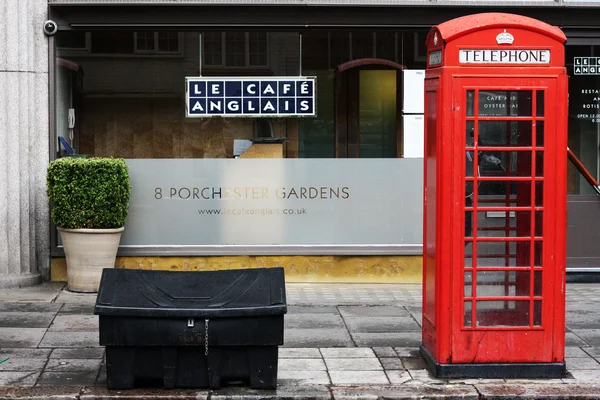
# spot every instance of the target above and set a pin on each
(292, 392)
(24, 352)
(18, 378)
(463, 392)
(349, 352)
(301, 364)
(582, 363)
(29, 307)
(45, 292)
(375, 311)
(384, 352)
(306, 320)
(391, 363)
(572, 339)
(303, 378)
(353, 364)
(71, 339)
(586, 375)
(23, 364)
(22, 319)
(538, 391)
(66, 296)
(398, 339)
(75, 323)
(358, 378)
(398, 377)
(72, 365)
(381, 324)
(98, 393)
(79, 352)
(575, 352)
(74, 308)
(317, 338)
(311, 310)
(84, 378)
(590, 336)
(39, 393)
(19, 337)
(412, 351)
(414, 362)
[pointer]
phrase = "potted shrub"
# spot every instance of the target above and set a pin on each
(89, 203)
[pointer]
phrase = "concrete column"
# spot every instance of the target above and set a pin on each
(24, 143)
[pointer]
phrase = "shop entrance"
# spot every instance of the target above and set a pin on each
(368, 99)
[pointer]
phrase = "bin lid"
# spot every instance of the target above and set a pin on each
(165, 294)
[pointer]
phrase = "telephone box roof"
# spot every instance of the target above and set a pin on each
(461, 26)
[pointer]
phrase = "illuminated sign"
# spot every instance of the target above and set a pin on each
(500, 56)
(250, 97)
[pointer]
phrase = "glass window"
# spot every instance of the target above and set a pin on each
(584, 113)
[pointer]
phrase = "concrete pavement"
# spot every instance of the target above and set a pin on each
(341, 342)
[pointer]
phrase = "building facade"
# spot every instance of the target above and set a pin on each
(334, 194)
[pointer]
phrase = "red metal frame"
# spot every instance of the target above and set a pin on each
(531, 247)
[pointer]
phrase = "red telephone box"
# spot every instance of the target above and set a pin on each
(495, 198)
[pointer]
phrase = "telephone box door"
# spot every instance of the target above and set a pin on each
(501, 280)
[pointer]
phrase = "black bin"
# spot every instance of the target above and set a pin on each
(191, 329)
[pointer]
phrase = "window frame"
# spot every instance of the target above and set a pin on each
(223, 64)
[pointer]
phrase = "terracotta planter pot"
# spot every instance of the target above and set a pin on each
(88, 252)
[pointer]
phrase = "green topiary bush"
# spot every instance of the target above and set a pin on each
(88, 193)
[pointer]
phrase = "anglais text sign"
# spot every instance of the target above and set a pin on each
(500, 56)
(250, 97)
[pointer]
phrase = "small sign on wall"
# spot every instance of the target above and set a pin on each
(250, 97)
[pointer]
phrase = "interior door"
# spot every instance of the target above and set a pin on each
(368, 120)
(501, 279)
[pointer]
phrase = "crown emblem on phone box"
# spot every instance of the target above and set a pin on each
(505, 38)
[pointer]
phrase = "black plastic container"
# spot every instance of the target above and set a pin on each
(191, 329)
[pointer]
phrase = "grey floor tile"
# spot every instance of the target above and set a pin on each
(414, 363)
(586, 375)
(311, 310)
(19, 337)
(303, 378)
(44, 292)
(67, 378)
(358, 378)
(307, 321)
(24, 352)
(299, 353)
(74, 308)
(384, 352)
(412, 351)
(353, 364)
(582, 363)
(398, 377)
(24, 379)
(391, 363)
(572, 352)
(317, 338)
(403, 339)
(23, 364)
(590, 336)
(301, 364)
(357, 352)
(571, 339)
(72, 365)
(381, 324)
(79, 352)
(19, 319)
(29, 307)
(78, 298)
(313, 392)
(376, 311)
(71, 339)
(75, 323)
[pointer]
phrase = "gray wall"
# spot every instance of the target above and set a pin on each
(24, 152)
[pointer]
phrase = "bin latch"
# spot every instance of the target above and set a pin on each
(206, 337)
(190, 322)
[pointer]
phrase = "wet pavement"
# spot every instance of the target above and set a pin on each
(342, 341)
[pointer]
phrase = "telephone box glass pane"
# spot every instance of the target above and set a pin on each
(504, 163)
(537, 313)
(503, 193)
(504, 133)
(468, 284)
(470, 103)
(468, 315)
(507, 254)
(504, 224)
(505, 103)
(503, 283)
(539, 104)
(537, 283)
(539, 163)
(503, 313)
(539, 133)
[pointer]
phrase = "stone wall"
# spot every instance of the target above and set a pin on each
(24, 152)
